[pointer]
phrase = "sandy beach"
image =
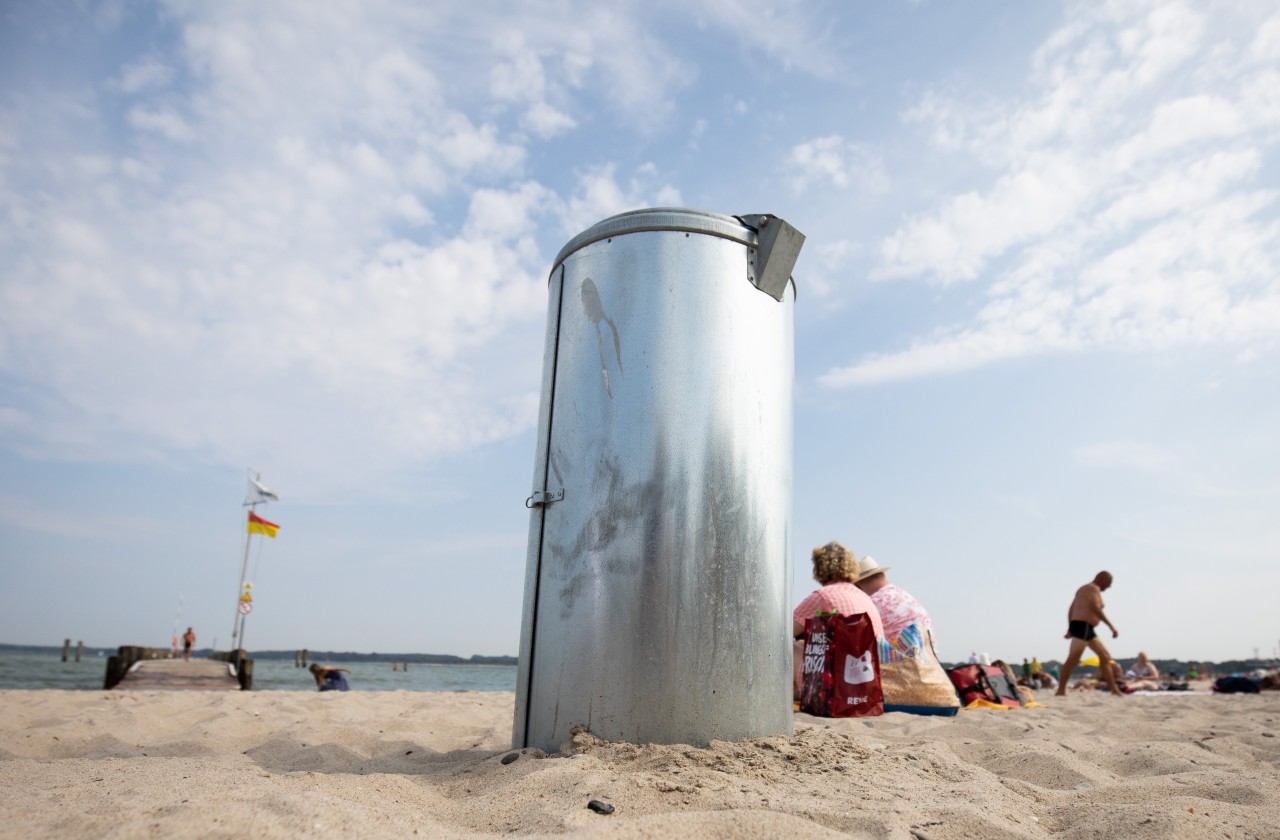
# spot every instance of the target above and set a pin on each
(396, 764)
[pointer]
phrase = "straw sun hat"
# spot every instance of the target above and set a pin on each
(868, 566)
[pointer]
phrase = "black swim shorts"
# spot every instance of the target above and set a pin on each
(1081, 630)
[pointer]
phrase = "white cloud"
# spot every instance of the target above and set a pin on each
(962, 352)
(833, 160)
(565, 56)
(271, 266)
(163, 122)
(144, 74)
(1123, 209)
(1172, 192)
(1266, 45)
(519, 80)
(957, 242)
(522, 80)
(545, 121)
(791, 32)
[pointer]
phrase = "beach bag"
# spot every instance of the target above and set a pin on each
(1006, 689)
(911, 677)
(841, 673)
(983, 682)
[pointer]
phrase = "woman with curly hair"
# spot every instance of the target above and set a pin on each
(835, 567)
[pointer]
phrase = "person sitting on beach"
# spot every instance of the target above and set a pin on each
(1143, 676)
(1083, 616)
(1117, 674)
(835, 567)
(898, 610)
(1040, 678)
(330, 679)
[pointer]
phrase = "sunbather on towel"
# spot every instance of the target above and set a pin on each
(1143, 675)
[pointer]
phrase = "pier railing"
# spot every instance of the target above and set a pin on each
(119, 665)
(239, 659)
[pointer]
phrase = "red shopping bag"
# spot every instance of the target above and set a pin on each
(841, 674)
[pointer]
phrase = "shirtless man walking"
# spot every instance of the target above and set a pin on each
(1082, 619)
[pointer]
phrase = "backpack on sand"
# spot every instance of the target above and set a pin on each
(983, 682)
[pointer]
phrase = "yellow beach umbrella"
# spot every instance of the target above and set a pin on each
(1092, 660)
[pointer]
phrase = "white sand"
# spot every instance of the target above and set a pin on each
(395, 764)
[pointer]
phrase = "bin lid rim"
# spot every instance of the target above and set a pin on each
(659, 219)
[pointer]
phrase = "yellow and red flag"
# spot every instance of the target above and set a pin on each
(258, 525)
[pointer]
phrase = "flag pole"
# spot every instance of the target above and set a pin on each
(237, 629)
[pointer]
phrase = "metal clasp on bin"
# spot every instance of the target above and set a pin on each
(543, 497)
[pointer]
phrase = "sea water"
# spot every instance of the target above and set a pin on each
(28, 671)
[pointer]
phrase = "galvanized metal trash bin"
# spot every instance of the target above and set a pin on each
(657, 589)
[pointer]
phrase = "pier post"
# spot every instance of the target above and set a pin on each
(66, 646)
(79, 650)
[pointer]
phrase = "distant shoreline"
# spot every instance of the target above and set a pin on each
(1179, 666)
(312, 655)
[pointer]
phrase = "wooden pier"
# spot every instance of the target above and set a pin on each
(176, 675)
(156, 669)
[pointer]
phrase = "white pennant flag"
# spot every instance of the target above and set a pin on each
(259, 493)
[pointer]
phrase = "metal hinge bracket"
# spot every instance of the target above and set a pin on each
(777, 246)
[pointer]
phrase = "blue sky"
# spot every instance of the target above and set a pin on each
(1038, 320)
